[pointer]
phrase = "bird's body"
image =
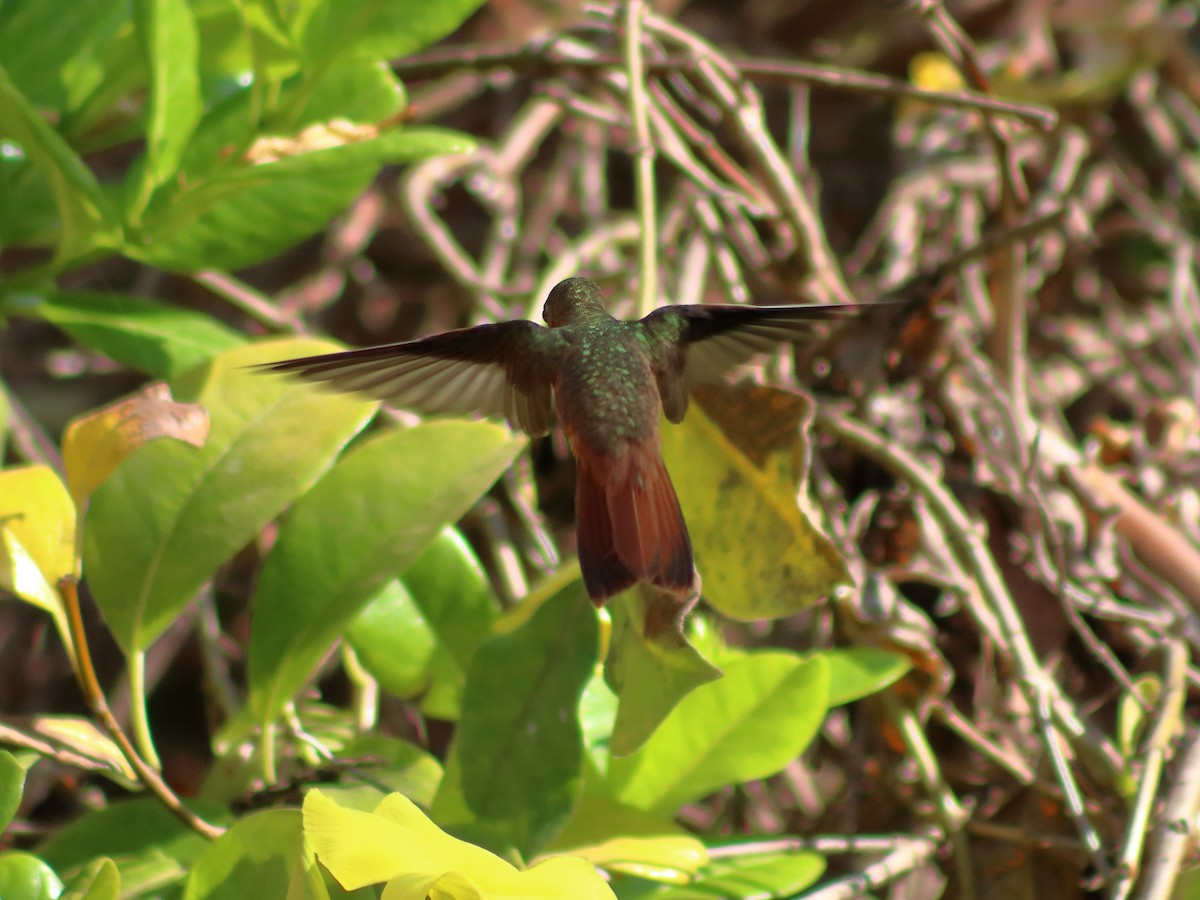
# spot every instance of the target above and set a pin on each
(607, 381)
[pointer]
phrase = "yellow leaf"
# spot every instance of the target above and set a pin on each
(97, 443)
(37, 515)
(738, 462)
(932, 71)
(400, 845)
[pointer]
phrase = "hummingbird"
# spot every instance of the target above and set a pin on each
(607, 381)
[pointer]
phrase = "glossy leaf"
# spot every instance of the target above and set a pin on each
(96, 443)
(366, 521)
(858, 672)
(27, 877)
(12, 787)
(749, 724)
(650, 673)
(400, 845)
(172, 513)
(519, 741)
(170, 42)
(254, 858)
(738, 460)
(147, 335)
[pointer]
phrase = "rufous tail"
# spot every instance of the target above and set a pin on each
(631, 528)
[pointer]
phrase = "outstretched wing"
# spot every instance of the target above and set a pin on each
(502, 369)
(700, 343)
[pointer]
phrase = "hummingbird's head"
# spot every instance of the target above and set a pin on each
(572, 300)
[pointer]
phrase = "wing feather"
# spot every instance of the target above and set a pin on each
(503, 369)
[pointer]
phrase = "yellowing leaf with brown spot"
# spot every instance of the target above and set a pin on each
(95, 444)
(739, 461)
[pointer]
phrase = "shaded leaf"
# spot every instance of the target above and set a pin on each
(650, 674)
(254, 858)
(86, 218)
(519, 741)
(759, 877)
(152, 337)
(99, 880)
(12, 787)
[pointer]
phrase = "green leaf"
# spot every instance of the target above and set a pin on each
(375, 29)
(169, 40)
(389, 765)
(86, 218)
(519, 741)
(393, 642)
(99, 880)
(172, 513)
(858, 672)
(24, 876)
(361, 525)
(776, 875)
(748, 725)
(147, 335)
(12, 787)
(130, 831)
(48, 55)
(738, 460)
(254, 858)
(458, 605)
(246, 214)
(650, 673)
(619, 838)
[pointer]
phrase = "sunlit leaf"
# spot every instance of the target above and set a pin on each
(857, 672)
(24, 876)
(96, 443)
(400, 845)
(171, 513)
(620, 838)
(749, 724)
(738, 462)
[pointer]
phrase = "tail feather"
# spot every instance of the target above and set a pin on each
(630, 525)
